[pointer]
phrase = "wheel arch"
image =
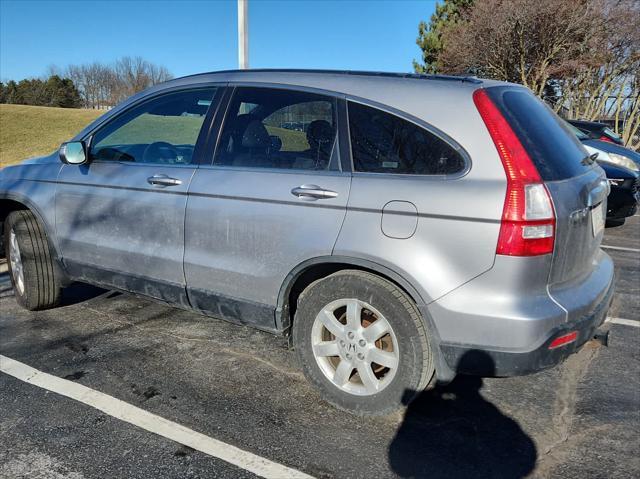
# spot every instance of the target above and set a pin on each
(7, 205)
(319, 267)
(12, 202)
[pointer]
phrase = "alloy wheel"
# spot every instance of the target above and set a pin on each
(355, 347)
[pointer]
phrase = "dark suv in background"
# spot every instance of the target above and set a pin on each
(597, 131)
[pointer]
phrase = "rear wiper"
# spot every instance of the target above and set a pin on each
(589, 159)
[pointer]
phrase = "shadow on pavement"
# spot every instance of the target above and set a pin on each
(79, 292)
(452, 432)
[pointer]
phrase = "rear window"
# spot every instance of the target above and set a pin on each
(554, 149)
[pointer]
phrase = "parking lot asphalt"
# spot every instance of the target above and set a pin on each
(242, 387)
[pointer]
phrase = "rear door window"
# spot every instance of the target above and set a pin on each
(273, 128)
(555, 150)
(385, 143)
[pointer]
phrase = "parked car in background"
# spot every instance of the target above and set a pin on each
(622, 174)
(617, 154)
(421, 226)
(597, 131)
(624, 197)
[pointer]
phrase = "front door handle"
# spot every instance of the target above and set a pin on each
(163, 180)
(313, 192)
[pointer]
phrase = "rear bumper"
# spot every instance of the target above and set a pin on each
(502, 322)
(491, 363)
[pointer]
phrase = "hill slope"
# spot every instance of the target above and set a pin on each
(27, 131)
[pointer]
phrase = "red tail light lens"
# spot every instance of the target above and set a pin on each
(606, 138)
(528, 219)
(564, 340)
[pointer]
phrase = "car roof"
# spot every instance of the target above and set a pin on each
(422, 96)
(586, 123)
(354, 73)
(350, 82)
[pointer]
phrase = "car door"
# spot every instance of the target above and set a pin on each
(274, 197)
(120, 217)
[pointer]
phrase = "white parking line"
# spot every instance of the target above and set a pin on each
(148, 421)
(635, 250)
(624, 322)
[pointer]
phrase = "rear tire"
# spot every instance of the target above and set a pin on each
(31, 264)
(338, 351)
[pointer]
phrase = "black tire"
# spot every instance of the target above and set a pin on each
(613, 223)
(415, 364)
(42, 289)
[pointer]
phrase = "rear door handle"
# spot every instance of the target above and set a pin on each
(163, 180)
(313, 192)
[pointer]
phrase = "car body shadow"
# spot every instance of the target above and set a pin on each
(80, 292)
(453, 431)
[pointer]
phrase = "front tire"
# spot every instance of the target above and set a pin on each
(361, 341)
(31, 264)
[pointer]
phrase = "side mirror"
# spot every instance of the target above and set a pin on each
(73, 153)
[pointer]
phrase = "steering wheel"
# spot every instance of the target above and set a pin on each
(160, 152)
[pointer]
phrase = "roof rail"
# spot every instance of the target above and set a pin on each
(419, 76)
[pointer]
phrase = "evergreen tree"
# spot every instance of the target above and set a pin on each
(430, 38)
(61, 92)
(11, 93)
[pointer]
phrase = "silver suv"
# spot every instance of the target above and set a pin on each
(400, 229)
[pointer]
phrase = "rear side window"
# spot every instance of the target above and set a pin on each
(385, 143)
(555, 150)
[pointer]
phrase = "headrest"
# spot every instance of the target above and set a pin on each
(319, 132)
(256, 135)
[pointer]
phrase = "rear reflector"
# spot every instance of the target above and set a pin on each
(564, 340)
(528, 219)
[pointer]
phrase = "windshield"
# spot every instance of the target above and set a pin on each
(612, 133)
(576, 131)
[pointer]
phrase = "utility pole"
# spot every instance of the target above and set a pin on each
(243, 34)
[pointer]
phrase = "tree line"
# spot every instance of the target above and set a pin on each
(92, 85)
(53, 91)
(581, 56)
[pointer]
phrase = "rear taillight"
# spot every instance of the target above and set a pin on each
(528, 219)
(606, 138)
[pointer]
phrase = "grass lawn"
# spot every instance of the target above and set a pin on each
(292, 140)
(27, 131)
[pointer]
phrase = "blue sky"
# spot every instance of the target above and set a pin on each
(194, 36)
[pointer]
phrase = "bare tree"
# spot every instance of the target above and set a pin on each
(582, 55)
(134, 74)
(610, 87)
(522, 41)
(105, 85)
